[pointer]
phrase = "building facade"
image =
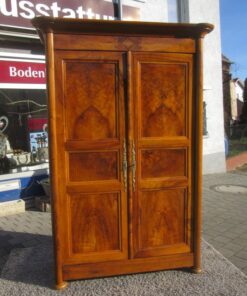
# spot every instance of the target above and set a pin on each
(237, 98)
(213, 143)
(23, 106)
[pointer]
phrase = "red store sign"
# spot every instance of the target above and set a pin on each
(18, 13)
(22, 74)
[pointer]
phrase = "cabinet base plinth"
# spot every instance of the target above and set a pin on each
(130, 266)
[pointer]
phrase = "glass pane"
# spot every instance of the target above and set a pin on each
(150, 10)
(172, 11)
(23, 130)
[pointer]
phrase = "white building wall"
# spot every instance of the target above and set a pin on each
(213, 144)
(234, 105)
(239, 92)
(155, 10)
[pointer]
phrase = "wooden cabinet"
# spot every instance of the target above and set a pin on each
(125, 119)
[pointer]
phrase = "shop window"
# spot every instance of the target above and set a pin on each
(147, 10)
(205, 130)
(23, 130)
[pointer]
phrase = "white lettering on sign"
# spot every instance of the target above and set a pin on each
(14, 72)
(4, 11)
(27, 7)
(42, 9)
(68, 12)
(28, 10)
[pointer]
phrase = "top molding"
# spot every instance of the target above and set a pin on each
(84, 26)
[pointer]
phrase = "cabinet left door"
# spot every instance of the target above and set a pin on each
(88, 133)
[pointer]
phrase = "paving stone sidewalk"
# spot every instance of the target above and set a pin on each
(23, 230)
(224, 222)
(225, 217)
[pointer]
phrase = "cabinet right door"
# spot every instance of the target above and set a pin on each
(162, 107)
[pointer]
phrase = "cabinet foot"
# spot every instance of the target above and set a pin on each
(61, 285)
(196, 270)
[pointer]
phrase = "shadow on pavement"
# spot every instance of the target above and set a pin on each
(29, 258)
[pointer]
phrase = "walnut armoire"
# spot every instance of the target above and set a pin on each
(125, 134)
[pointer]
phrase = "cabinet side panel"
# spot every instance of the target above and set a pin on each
(198, 147)
(55, 140)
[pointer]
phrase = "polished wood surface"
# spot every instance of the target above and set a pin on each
(163, 93)
(163, 163)
(120, 28)
(198, 136)
(90, 105)
(90, 120)
(134, 43)
(162, 217)
(54, 170)
(96, 228)
(93, 166)
(130, 266)
(125, 131)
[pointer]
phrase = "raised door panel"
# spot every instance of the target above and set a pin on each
(97, 216)
(93, 166)
(97, 233)
(162, 222)
(162, 95)
(91, 121)
(162, 99)
(91, 103)
(164, 162)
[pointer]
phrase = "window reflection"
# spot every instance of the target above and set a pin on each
(150, 10)
(23, 130)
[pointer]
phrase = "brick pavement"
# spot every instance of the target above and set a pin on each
(224, 222)
(236, 161)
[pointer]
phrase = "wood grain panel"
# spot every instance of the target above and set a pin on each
(127, 43)
(157, 163)
(100, 269)
(164, 182)
(169, 142)
(163, 94)
(162, 98)
(90, 101)
(93, 166)
(90, 155)
(162, 218)
(75, 145)
(96, 186)
(95, 222)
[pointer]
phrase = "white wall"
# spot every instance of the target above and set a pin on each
(239, 92)
(234, 105)
(213, 145)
